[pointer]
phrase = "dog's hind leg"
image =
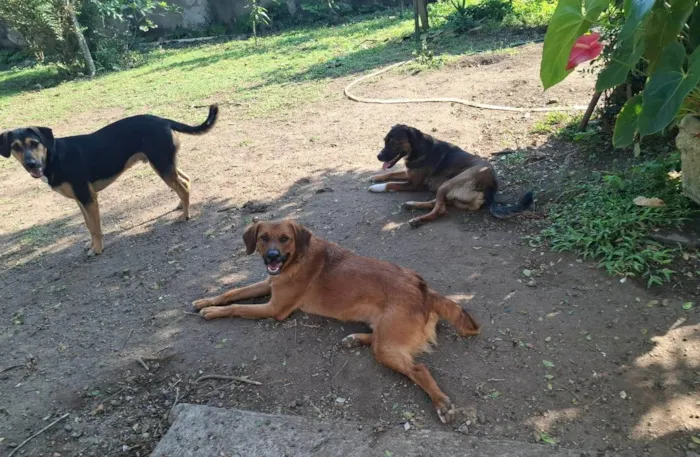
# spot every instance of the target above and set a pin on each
(356, 340)
(439, 208)
(394, 346)
(180, 186)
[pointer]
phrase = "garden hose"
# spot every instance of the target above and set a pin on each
(396, 101)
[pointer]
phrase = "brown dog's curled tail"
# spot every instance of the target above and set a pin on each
(453, 313)
(202, 128)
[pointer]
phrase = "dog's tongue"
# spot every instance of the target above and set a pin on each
(386, 165)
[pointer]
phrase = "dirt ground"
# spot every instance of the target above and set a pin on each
(595, 363)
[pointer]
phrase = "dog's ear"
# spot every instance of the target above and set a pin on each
(5, 143)
(302, 237)
(46, 137)
(415, 137)
(250, 238)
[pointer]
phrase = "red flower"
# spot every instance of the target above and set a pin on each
(586, 47)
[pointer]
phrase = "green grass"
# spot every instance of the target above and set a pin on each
(598, 220)
(284, 71)
(556, 122)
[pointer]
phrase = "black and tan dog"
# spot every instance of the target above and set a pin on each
(464, 180)
(78, 167)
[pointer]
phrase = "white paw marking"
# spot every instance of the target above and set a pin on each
(378, 188)
(411, 203)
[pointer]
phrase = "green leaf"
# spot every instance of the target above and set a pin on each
(548, 364)
(636, 11)
(695, 439)
(567, 24)
(627, 122)
(667, 88)
(544, 436)
(664, 26)
(688, 305)
(548, 377)
(694, 29)
(625, 57)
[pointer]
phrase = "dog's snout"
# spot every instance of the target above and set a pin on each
(272, 254)
(30, 162)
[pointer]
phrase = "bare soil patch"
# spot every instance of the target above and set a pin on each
(595, 363)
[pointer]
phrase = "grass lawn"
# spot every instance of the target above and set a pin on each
(283, 71)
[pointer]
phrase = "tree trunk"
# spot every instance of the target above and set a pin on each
(420, 15)
(292, 7)
(81, 41)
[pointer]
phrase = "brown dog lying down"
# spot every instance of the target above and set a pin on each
(458, 178)
(319, 277)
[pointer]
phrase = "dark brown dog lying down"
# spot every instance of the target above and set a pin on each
(313, 275)
(457, 178)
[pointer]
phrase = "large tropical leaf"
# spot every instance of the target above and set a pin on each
(664, 25)
(624, 58)
(627, 122)
(667, 87)
(568, 22)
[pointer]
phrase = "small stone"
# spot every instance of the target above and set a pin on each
(340, 400)
(548, 339)
(481, 417)
(125, 448)
(623, 394)
(463, 429)
(68, 428)
(532, 283)
(407, 426)
(553, 101)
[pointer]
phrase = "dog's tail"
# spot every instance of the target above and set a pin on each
(199, 129)
(453, 313)
(506, 210)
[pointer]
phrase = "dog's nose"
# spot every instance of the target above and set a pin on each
(31, 162)
(272, 254)
(379, 157)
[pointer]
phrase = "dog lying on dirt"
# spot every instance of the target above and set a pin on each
(458, 178)
(319, 277)
(78, 167)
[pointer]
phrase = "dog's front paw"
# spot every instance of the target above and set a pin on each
(92, 252)
(211, 313)
(202, 303)
(377, 188)
(88, 245)
(446, 411)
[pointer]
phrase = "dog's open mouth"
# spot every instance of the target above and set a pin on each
(274, 267)
(391, 163)
(36, 172)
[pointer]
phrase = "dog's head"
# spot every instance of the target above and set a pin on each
(30, 146)
(278, 242)
(401, 141)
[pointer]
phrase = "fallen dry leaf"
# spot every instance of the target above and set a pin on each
(649, 202)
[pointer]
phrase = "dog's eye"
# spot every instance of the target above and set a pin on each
(33, 143)
(284, 239)
(265, 238)
(16, 147)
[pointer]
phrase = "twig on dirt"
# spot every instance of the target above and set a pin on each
(505, 153)
(494, 380)
(142, 363)
(127, 338)
(177, 398)
(208, 394)
(567, 389)
(338, 372)
(113, 395)
(243, 379)
(37, 434)
(220, 104)
(227, 208)
(191, 313)
(593, 402)
(11, 367)
(318, 445)
(310, 325)
(316, 408)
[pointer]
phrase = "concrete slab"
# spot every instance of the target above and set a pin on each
(203, 431)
